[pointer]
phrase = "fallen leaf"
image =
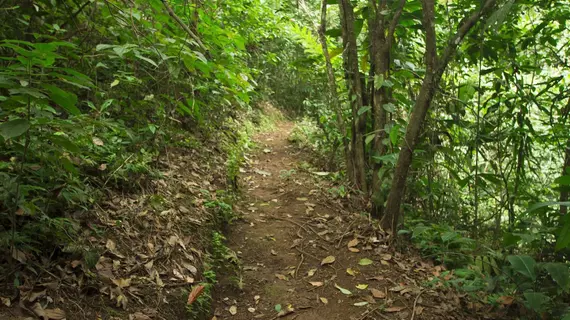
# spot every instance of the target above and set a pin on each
(386, 257)
(505, 300)
(111, 246)
(353, 243)
(195, 293)
(365, 262)
(377, 293)
(394, 309)
(361, 304)
(324, 300)
(273, 252)
(302, 199)
(278, 307)
(122, 283)
(397, 289)
(98, 141)
(281, 277)
(6, 301)
(351, 272)
(353, 250)
(139, 316)
(362, 286)
(54, 314)
(311, 272)
(250, 309)
(328, 260)
(316, 284)
(343, 290)
(233, 310)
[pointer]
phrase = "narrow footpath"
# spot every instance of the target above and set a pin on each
(303, 255)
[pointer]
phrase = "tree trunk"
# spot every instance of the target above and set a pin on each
(381, 45)
(332, 94)
(355, 93)
(564, 192)
(434, 72)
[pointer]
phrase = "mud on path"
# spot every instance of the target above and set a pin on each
(290, 231)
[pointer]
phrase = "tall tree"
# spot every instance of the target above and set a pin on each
(435, 67)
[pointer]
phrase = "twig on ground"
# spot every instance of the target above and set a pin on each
(415, 304)
(308, 254)
(299, 265)
(345, 233)
(369, 312)
(300, 225)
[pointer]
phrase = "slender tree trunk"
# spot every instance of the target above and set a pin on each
(355, 90)
(432, 78)
(332, 94)
(564, 192)
(381, 46)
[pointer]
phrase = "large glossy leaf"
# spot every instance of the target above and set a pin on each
(559, 273)
(524, 265)
(14, 128)
(65, 99)
(536, 301)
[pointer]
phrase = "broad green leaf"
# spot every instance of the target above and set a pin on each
(394, 134)
(14, 128)
(390, 107)
(378, 81)
(64, 142)
(547, 204)
(559, 273)
(66, 100)
(563, 180)
(365, 262)
(369, 138)
(563, 235)
(536, 300)
(115, 83)
(524, 265)
(363, 109)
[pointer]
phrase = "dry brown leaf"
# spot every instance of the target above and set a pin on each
(377, 293)
(195, 293)
(394, 309)
(139, 316)
(111, 246)
(353, 243)
(122, 283)
(34, 295)
(505, 300)
(316, 283)
(386, 257)
(328, 260)
(353, 250)
(281, 277)
(54, 314)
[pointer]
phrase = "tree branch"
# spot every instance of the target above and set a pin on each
(449, 51)
(394, 22)
(184, 26)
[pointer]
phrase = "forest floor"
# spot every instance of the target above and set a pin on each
(306, 255)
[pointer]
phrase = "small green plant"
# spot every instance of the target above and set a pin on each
(222, 206)
(338, 192)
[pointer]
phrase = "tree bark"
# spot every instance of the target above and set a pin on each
(355, 93)
(332, 94)
(381, 46)
(432, 78)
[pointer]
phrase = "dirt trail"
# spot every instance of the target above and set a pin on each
(289, 226)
